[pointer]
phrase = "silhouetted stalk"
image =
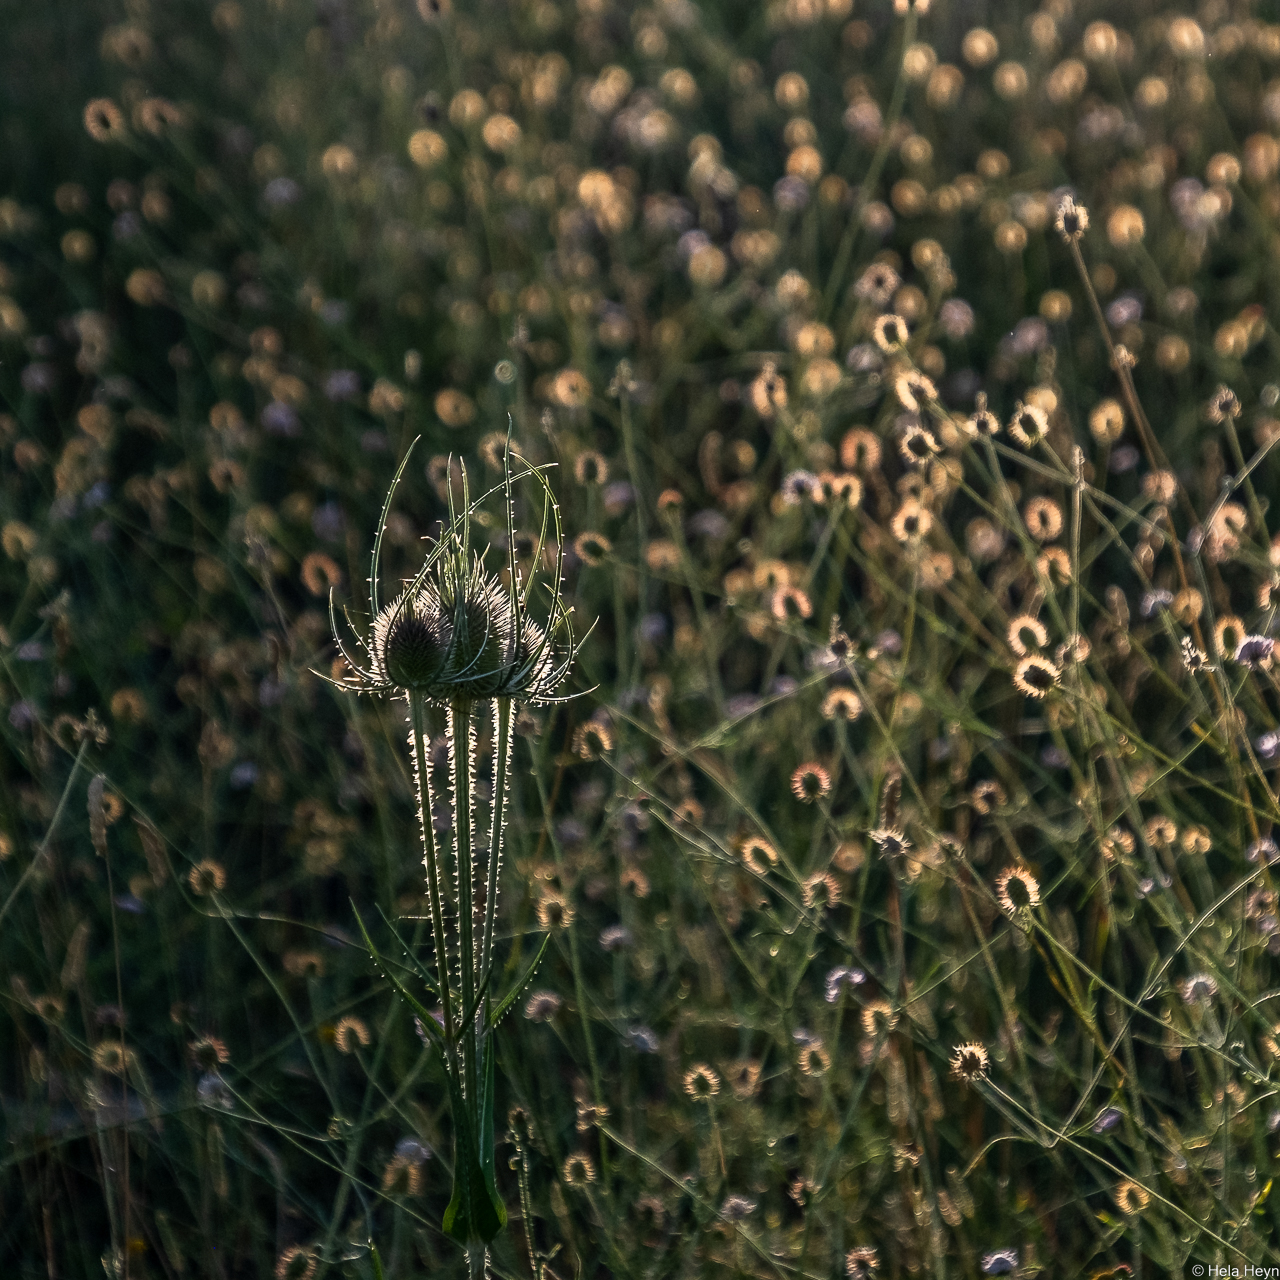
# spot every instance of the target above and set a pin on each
(430, 857)
(462, 758)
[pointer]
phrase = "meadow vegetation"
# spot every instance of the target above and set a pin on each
(907, 382)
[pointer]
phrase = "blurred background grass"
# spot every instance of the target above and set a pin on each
(777, 884)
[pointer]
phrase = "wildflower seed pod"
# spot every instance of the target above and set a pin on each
(410, 643)
(456, 634)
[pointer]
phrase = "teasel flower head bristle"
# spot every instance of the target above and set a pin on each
(456, 634)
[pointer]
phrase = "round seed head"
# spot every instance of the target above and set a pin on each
(411, 641)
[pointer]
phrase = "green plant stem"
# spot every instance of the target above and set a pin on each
(460, 718)
(498, 817)
(38, 856)
(418, 717)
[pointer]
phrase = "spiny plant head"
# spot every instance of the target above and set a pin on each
(410, 641)
(456, 633)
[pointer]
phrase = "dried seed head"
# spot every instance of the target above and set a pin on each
(410, 644)
(889, 333)
(1035, 676)
(542, 1006)
(1223, 404)
(911, 521)
(579, 1170)
(1195, 660)
(456, 633)
(810, 782)
(1131, 1198)
(891, 841)
(877, 284)
(841, 704)
(349, 1032)
(917, 445)
(862, 1263)
(1072, 220)
(814, 1060)
(821, 889)
(969, 1061)
(879, 1017)
(701, 1083)
(296, 1263)
(1043, 518)
(207, 877)
(1026, 631)
(1017, 890)
(209, 1053)
(1029, 424)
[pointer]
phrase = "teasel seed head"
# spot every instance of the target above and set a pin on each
(457, 633)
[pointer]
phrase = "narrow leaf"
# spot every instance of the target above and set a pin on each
(509, 999)
(429, 1025)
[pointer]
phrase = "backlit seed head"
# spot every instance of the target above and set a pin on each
(814, 1060)
(1036, 676)
(411, 647)
(579, 1170)
(841, 704)
(296, 1263)
(1026, 631)
(1017, 890)
(701, 1083)
(911, 521)
(348, 1033)
(593, 739)
(1131, 1198)
(877, 284)
(209, 1053)
(1043, 518)
(207, 877)
(810, 782)
(918, 446)
(456, 633)
(821, 889)
(1072, 220)
(555, 912)
(112, 1056)
(892, 842)
(542, 1006)
(890, 333)
(401, 1177)
(1195, 660)
(879, 1018)
(1223, 404)
(862, 1263)
(969, 1061)
(1106, 421)
(981, 423)
(758, 854)
(1029, 424)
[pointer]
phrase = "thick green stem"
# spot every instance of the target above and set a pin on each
(431, 857)
(498, 817)
(460, 716)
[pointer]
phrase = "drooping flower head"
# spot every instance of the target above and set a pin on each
(455, 633)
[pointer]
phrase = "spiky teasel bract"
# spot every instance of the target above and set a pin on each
(456, 634)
